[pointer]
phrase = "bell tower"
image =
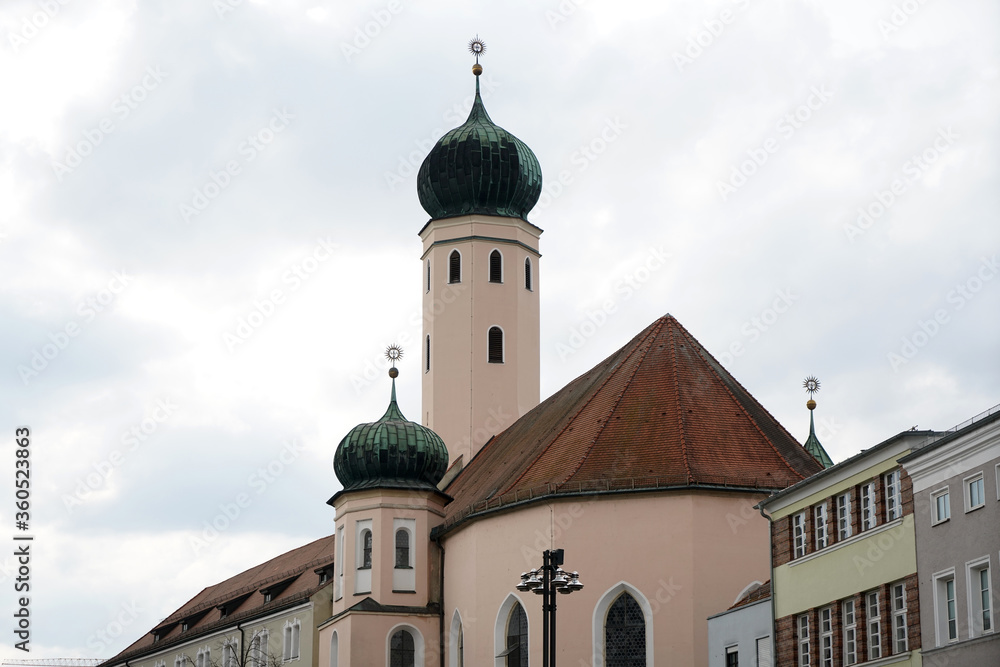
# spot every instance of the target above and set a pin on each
(481, 268)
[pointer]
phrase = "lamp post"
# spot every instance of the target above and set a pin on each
(546, 581)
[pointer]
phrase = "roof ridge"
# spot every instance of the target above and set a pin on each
(743, 409)
(569, 422)
(677, 401)
(607, 419)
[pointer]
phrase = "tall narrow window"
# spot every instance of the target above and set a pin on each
(799, 534)
(455, 267)
(819, 519)
(950, 610)
(527, 273)
(496, 267)
(899, 617)
(980, 598)
(850, 633)
(975, 492)
(517, 638)
(401, 650)
(940, 506)
(402, 549)
(732, 656)
(804, 640)
(427, 354)
(893, 497)
(874, 626)
(461, 647)
(826, 637)
(495, 345)
(869, 519)
(291, 642)
(844, 516)
(428, 275)
(625, 634)
(366, 550)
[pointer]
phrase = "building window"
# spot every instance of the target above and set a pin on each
(455, 267)
(844, 516)
(428, 275)
(229, 655)
(979, 598)
(179, 661)
(401, 650)
(461, 647)
(291, 645)
(366, 550)
(495, 345)
(763, 652)
(826, 637)
(899, 617)
(427, 354)
(496, 267)
(732, 657)
(869, 519)
(804, 640)
(204, 658)
(799, 534)
(850, 633)
(527, 273)
(893, 496)
(975, 492)
(403, 549)
(819, 521)
(517, 638)
(625, 634)
(940, 506)
(874, 626)
(945, 612)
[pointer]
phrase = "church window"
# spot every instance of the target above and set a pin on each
(625, 634)
(402, 549)
(401, 650)
(527, 273)
(455, 267)
(496, 267)
(461, 647)
(495, 344)
(428, 275)
(427, 354)
(366, 550)
(517, 638)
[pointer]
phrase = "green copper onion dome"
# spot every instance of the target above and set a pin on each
(479, 167)
(391, 452)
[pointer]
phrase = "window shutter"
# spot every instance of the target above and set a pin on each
(527, 273)
(454, 267)
(496, 267)
(495, 345)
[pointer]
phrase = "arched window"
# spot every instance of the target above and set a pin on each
(461, 647)
(334, 650)
(496, 267)
(401, 650)
(625, 634)
(402, 549)
(455, 267)
(427, 354)
(527, 273)
(517, 638)
(366, 550)
(428, 275)
(495, 345)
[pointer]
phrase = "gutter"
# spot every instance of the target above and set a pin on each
(774, 594)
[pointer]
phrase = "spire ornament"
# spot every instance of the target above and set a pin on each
(477, 47)
(393, 353)
(812, 445)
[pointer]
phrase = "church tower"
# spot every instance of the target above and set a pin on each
(480, 277)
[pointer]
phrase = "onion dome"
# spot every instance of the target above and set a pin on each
(391, 453)
(479, 167)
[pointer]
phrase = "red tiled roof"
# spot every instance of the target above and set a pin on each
(762, 592)
(293, 569)
(659, 412)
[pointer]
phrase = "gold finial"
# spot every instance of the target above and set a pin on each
(393, 353)
(477, 47)
(811, 385)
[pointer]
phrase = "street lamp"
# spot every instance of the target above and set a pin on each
(546, 581)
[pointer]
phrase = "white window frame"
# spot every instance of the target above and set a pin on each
(820, 526)
(893, 495)
(873, 615)
(869, 505)
(897, 592)
(732, 650)
(180, 660)
(290, 640)
(802, 621)
(936, 517)
(845, 521)
(943, 616)
(826, 637)
(978, 617)
(967, 491)
(204, 657)
(230, 655)
(799, 535)
(849, 612)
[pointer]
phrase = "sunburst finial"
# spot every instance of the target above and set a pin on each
(477, 47)
(811, 385)
(393, 353)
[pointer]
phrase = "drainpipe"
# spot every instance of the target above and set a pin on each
(437, 540)
(246, 655)
(774, 622)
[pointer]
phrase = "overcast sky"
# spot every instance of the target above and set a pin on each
(208, 235)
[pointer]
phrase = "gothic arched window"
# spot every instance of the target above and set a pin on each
(625, 634)
(517, 638)
(496, 267)
(527, 273)
(495, 345)
(455, 267)
(401, 652)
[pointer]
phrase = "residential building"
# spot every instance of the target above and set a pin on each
(741, 635)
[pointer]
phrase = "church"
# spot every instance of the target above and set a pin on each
(644, 471)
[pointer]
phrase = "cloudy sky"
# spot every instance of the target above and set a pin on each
(208, 235)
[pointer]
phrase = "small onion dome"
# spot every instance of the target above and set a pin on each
(391, 452)
(479, 167)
